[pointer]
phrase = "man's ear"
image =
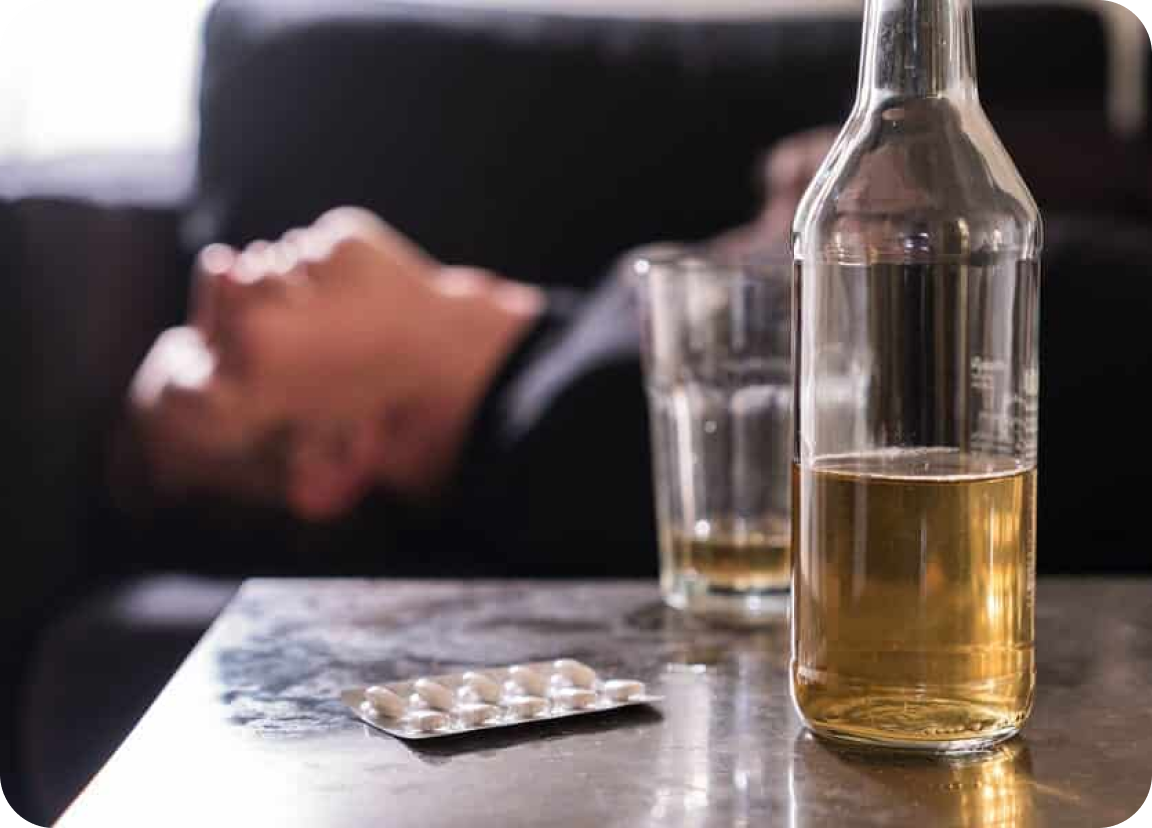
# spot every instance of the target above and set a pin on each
(329, 472)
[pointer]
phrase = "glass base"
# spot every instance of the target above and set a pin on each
(729, 607)
(971, 745)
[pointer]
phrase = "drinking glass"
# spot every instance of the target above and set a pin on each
(715, 337)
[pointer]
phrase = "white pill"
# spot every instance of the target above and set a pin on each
(526, 707)
(471, 715)
(368, 711)
(427, 720)
(436, 695)
(417, 703)
(557, 683)
(385, 702)
(530, 682)
(623, 689)
(466, 695)
(575, 698)
(579, 674)
(484, 687)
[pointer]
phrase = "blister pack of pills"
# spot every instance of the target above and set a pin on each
(434, 706)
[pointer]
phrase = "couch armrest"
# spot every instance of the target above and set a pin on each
(91, 268)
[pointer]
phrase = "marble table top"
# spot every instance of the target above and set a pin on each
(251, 732)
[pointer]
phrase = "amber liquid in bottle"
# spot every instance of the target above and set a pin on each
(914, 609)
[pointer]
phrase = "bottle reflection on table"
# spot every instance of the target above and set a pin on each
(832, 784)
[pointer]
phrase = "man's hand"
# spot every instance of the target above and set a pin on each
(312, 368)
(276, 376)
(787, 168)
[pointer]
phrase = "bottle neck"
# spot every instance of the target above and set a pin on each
(917, 49)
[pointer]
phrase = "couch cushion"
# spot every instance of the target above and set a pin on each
(544, 144)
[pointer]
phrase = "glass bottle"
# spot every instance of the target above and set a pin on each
(916, 299)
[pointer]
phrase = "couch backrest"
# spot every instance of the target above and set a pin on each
(543, 144)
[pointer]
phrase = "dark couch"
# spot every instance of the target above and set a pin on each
(540, 145)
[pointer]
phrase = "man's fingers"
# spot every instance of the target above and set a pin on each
(346, 223)
(255, 267)
(212, 265)
(260, 273)
(289, 262)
